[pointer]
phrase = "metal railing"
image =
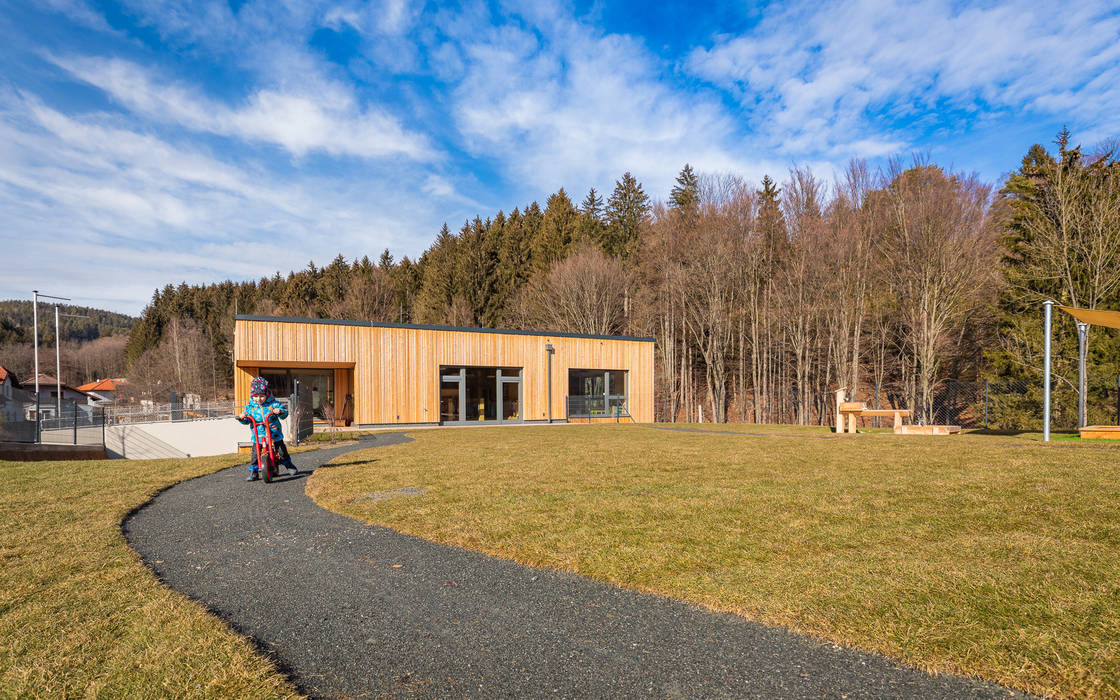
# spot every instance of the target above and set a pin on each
(169, 412)
(588, 407)
(82, 425)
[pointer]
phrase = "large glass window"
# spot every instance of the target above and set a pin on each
(320, 384)
(480, 394)
(596, 393)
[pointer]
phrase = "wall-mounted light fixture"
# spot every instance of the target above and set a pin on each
(549, 350)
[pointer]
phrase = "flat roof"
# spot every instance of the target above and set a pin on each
(375, 324)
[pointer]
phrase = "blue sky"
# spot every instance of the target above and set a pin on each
(162, 141)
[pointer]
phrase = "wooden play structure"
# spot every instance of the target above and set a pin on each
(848, 411)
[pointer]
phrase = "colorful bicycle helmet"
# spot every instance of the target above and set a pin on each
(259, 387)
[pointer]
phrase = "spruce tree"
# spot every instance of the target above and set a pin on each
(437, 278)
(627, 209)
(771, 224)
(685, 195)
(591, 224)
(385, 262)
(558, 225)
(592, 206)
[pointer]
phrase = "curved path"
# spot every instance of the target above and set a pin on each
(351, 610)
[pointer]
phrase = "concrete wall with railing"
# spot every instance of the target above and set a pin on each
(197, 438)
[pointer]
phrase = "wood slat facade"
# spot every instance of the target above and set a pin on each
(393, 370)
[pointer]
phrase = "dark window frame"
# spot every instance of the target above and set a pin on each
(604, 405)
(457, 374)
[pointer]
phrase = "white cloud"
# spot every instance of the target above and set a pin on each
(852, 76)
(565, 105)
(322, 117)
(110, 213)
(80, 13)
(389, 17)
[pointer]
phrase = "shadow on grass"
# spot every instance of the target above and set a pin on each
(349, 463)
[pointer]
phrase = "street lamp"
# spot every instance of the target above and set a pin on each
(35, 314)
(58, 360)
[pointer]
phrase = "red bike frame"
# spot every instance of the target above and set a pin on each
(268, 468)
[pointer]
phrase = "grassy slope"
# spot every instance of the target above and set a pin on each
(80, 614)
(986, 555)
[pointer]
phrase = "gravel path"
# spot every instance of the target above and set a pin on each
(350, 610)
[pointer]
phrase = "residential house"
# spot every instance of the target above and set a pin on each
(48, 397)
(102, 391)
(10, 407)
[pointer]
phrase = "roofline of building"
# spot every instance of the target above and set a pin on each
(374, 324)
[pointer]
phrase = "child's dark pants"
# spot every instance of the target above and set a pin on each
(282, 456)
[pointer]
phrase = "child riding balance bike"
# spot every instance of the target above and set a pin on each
(264, 412)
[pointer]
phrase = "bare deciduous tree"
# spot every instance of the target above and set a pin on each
(583, 293)
(938, 261)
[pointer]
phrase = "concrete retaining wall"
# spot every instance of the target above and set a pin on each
(200, 438)
(30, 452)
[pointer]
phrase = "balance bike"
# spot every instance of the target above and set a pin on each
(266, 453)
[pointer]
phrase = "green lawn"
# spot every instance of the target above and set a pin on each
(993, 556)
(80, 615)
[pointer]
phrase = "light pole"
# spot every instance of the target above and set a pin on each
(35, 333)
(58, 360)
(35, 314)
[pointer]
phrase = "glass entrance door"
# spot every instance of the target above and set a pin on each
(481, 387)
(480, 394)
(511, 399)
(451, 397)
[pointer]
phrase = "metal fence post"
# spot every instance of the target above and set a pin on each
(294, 398)
(75, 422)
(1048, 306)
(1082, 383)
(985, 404)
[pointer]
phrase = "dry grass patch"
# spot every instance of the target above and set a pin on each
(991, 556)
(80, 615)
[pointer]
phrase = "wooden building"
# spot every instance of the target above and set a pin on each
(384, 373)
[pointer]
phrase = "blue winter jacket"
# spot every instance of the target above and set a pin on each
(259, 410)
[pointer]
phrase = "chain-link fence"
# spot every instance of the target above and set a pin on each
(1002, 405)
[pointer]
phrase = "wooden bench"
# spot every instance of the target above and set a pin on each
(848, 411)
(851, 410)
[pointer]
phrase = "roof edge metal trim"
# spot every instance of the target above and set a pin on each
(411, 326)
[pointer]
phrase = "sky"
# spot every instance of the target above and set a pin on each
(150, 142)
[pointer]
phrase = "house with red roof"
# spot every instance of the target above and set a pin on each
(11, 409)
(103, 391)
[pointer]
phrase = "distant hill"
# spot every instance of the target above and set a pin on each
(16, 323)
